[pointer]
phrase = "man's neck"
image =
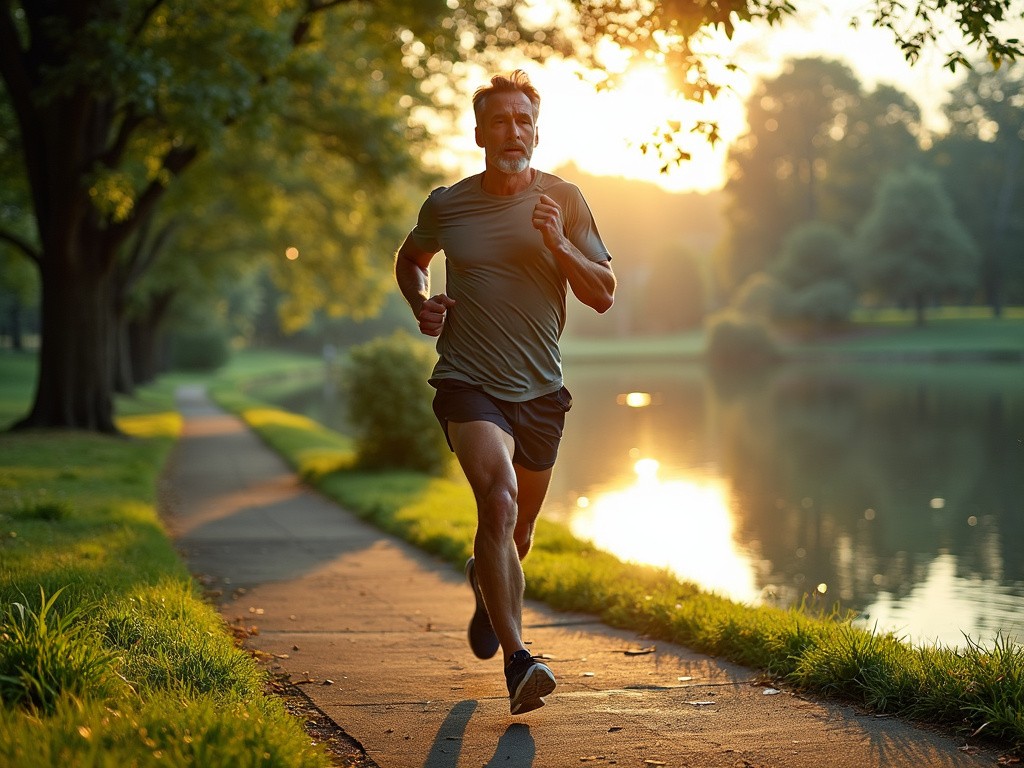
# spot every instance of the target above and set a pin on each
(497, 182)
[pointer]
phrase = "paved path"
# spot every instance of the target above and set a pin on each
(337, 600)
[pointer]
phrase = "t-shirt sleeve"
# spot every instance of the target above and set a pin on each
(425, 233)
(581, 229)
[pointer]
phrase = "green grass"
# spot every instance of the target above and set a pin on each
(109, 656)
(949, 334)
(813, 648)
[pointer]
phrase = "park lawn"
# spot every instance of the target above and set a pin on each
(950, 333)
(109, 654)
(946, 335)
(814, 648)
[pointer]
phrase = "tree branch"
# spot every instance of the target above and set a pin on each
(112, 156)
(175, 161)
(22, 245)
(313, 7)
(146, 15)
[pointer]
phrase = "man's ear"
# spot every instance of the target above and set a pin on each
(536, 135)
(478, 136)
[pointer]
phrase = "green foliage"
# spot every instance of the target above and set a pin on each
(738, 342)
(49, 651)
(817, 145)
(981, 161)
(389, 405)
(762, 297)
(824, 304)
(911, 247)
(813, 253)
(199, 350)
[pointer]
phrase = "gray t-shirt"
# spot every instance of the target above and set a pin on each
(502, 334)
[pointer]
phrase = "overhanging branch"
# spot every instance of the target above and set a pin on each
(22, 245)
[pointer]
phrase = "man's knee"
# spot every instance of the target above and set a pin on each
(496, 510)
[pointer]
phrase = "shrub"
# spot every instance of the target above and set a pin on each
(826, 303)
(199, 350)
(736, 341)
(761, 296)
(390, 405)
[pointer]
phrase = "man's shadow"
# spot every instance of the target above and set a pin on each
(515, 748)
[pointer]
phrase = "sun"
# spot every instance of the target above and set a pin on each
(603, 131)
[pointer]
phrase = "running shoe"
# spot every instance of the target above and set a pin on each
(482, 639)
(529, 682)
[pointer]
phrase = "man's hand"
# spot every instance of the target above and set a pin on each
(547, 219)
(432, 313)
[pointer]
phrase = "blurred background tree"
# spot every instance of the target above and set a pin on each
(911, 248)
(981, 162)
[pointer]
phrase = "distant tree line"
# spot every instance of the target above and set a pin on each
(836, 198)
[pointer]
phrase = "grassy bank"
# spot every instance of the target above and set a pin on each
(970, 689)
(950, 334)
(109, 655)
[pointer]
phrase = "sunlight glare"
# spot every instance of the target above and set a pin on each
(634, 399)
(681, 525)
(944, 602)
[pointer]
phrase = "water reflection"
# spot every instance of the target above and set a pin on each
(863, 485)
(678, 524)
(944, 604)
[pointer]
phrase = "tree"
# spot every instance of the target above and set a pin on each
(981, 160)
(911, 247)
(115, 100)
(815, 267)
(817, 147)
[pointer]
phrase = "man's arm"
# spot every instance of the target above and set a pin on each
(411, 263)
(592, 282)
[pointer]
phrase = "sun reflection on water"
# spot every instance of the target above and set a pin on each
(680, 524)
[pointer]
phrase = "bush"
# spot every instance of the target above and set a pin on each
(199, 350)
(736, 341)
(761, 296)
(826, 303)
(390, 405)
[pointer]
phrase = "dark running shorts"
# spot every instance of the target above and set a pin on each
(535, 425)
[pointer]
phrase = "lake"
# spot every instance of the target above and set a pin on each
(895, 490)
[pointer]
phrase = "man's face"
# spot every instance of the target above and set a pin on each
(507, 131)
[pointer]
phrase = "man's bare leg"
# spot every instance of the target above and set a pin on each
(533, 487)
(485, 452)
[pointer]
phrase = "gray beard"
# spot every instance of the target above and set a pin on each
(510, 166)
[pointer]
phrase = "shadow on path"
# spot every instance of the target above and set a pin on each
(448, 742)
(515, 748)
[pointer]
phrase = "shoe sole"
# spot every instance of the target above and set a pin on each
(482, 640)
(535, 685)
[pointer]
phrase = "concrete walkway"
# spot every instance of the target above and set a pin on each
(375, 632)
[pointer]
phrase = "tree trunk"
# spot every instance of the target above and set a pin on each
(144, 334)
(919, 305)
(74, 389)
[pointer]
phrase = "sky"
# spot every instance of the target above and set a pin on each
(601, 132)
